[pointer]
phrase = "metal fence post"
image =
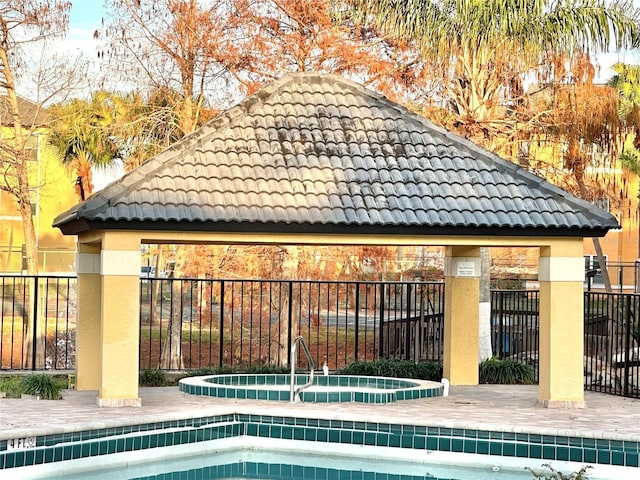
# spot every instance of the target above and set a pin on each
(357, 321)
(407, 336)
(381, 336)
(289, 320)
(34, 321)
(221, 333)
(627, 346)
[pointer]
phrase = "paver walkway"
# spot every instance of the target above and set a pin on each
(493, 407)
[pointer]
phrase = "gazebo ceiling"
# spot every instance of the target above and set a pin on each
(315, 153)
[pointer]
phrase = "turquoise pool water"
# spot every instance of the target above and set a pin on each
(252, 463)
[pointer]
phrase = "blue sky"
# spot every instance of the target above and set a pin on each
(85, 17)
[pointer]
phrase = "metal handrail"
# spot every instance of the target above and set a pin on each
(295, 392)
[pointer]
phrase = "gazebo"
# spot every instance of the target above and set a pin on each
(319, 160)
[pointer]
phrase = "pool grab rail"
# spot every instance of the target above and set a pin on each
(295, 392)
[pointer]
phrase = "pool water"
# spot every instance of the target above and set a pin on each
(290, 465)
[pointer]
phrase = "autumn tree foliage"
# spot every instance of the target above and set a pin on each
(189, 51)
(204, 56)
(484, 52)
(167, 48)
(274, 37)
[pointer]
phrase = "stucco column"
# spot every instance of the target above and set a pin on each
(120, 270)
(462, 294)
(561, 274)
(88, 334)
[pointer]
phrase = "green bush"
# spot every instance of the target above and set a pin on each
(265, 369)
(255, 369)
(42, 385)
(152, 377)
(199, 372)
(506, 372)
(383, 367)
(11, 386)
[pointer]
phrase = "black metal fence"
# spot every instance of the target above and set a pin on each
(612, 343)
(253, 322)
(197, 323)
(611, 336)
(37, 322)
(514, 325)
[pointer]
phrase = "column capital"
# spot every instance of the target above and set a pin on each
(120, 262)
(561, 269)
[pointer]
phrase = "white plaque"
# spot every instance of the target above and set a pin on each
(465, 269)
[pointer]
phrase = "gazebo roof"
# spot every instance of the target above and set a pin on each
(315, 153)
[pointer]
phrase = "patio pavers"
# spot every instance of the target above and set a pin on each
(491, 407)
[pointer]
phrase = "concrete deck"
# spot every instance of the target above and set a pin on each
(491, 407)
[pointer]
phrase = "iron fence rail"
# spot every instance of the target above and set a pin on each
(37, 322)
(612, 343)
(514, 325)
(203, 323)
(252, 322)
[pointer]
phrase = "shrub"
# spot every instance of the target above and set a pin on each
(199, 372)
(383, 367)
(11, 386)
(152, 377)
(255, 369)
(505, 372)
(43, 386)
(265, 369)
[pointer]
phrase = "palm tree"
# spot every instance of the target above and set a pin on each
(627, 82)
(83, 132)
(483, 51)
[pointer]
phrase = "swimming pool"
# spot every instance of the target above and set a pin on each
(254, 460)
(300, 438)
(325, 388)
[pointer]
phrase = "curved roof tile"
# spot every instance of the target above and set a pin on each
(319, 153)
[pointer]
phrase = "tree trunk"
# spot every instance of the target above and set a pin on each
(21, 191)
(171, 355)
(484, 308)
(602, 262)
(290, 302)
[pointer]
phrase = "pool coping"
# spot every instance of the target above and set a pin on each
(75, 445)
(132, 416)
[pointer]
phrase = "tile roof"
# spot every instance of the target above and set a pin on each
(31, 114)
(320, 154)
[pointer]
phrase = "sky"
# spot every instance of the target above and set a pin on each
(85, 18)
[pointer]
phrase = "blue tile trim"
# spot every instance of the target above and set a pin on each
(60, 447)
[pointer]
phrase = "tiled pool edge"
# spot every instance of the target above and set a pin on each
(96, 442)
(361, 389)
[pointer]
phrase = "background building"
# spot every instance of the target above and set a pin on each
(52, 191)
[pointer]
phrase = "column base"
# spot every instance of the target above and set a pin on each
(564, 404)
(119, 402)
